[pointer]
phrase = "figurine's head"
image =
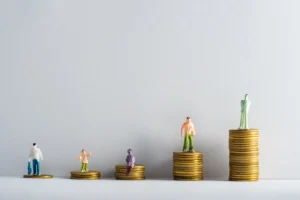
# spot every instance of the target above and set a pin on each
(246, 96)
(83, 151)
(188, 119)
(34, 144)
(129, 151)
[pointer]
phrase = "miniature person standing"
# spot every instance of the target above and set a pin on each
(130, 160)
(245, 105)
(83, 157)
(35, 155)
(188, 131)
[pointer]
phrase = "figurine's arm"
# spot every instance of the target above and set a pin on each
(30, 156)
(182, 128)
(193, 130)
(41, 155)
(127, 159)
(79, 157)
(89, 154)
(133, 161)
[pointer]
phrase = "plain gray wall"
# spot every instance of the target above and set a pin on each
(113, 75)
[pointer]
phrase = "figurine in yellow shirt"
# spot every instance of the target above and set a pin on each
(83, 157)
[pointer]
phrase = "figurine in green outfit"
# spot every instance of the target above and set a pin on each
(83, 157)
(245, 105)
(188, 131)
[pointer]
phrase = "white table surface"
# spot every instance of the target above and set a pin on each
(106, 189)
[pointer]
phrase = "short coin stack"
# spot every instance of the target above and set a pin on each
(136, 173)
(244, 155)
(43, 176)
(188, 166)
(90, 175)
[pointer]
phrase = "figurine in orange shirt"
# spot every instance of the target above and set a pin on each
(83, 157)
(188, 131)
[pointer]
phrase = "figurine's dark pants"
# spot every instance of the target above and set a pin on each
(36, 167)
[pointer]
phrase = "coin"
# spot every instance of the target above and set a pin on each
(42, 176)
(86, 178)
(243, 155)
(136, 173)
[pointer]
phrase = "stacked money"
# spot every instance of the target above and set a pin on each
(188, 166)
(244, 155)
(90, 175)
(136, 173)
(44, 176)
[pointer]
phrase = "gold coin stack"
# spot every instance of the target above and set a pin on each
(188, 166)
(136, 173)
(43, 176)
(243, 155)
(90, 175)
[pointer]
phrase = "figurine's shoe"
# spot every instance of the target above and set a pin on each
(82, 170)
(87, 170)
(192, 151)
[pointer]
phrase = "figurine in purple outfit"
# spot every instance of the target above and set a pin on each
(130, 160)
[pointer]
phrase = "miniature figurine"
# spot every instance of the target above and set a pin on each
(83, 157)
(245, 105)
(188, 131)
(130, 160)
(35, 155)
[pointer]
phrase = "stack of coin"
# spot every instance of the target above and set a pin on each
(136, 173)
(188, 166)
(90, 175)
(43, 176)
(243, 155)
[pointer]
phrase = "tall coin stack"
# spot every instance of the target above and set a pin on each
(136, 173)
(243, 155)
(90, 175)
(188, 166)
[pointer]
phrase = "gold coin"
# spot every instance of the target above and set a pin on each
(197, 178)
(243, 180)
(187, 153)
(187, 168)
(187, 164)
(127, 178)
(85, 173)
(43, 176)
(187, 175)
(90, 178)
(130, 175)
(132, 170)
(135, 166)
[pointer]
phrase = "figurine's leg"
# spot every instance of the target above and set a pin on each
(242, 121)
(34, 166)
(38, 168)
(86, 167)
(191, 143)
(246, 121)
(185, 143)
(82, 167)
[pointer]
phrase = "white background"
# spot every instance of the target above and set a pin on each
(113, 75)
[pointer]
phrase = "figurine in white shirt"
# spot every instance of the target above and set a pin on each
(36, 156)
